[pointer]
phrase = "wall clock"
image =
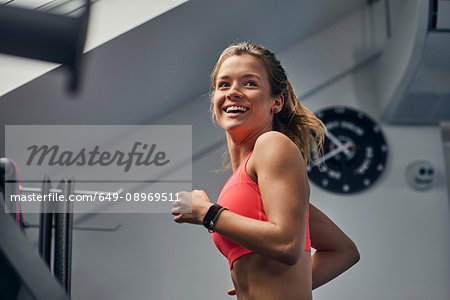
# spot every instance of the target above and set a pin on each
(355, 151)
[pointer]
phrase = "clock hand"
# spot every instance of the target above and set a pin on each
(329, 155)
(338, 143)
(353, 147)
(350, 146)
(335, 152)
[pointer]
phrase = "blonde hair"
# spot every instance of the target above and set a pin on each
(294, 120)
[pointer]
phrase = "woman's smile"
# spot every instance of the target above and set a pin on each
(235, 111)
(242, 94)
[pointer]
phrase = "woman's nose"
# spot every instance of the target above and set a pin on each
(233, 92)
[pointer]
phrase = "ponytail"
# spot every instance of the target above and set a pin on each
(301, 125)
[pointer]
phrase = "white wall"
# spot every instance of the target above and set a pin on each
(397, 67)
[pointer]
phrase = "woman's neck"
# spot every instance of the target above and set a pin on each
(239, 147)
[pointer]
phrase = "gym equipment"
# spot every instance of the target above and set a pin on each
(23, 275)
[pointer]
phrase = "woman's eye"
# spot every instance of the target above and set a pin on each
(250, 83)
(222, 84)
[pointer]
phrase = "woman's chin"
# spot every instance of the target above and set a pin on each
(230, 125)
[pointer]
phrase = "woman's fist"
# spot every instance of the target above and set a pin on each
(191, 207)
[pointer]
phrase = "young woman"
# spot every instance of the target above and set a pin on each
(263, 222)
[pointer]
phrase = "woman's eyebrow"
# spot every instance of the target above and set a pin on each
(251, 76)
(243, 76)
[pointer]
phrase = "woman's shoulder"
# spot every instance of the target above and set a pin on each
(275, 147)
(274, 141)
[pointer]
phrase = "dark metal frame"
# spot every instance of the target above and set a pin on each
(24, 260)
(433, 16)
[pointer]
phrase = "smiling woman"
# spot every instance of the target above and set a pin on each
(263, 222)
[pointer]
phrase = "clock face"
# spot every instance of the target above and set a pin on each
(355, 151)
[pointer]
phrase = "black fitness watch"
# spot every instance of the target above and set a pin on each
(211, 216)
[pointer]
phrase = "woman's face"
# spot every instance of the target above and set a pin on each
(242, 98)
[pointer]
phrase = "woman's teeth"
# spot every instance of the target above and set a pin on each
(235, 109)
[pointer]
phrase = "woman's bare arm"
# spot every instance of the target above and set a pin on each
(335, 251)
(282, 181)
(283, 185)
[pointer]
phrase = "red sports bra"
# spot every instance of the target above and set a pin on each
(241, 195)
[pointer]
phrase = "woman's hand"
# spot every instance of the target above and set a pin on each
(191, 207)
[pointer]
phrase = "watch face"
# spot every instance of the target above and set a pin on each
(355, 151)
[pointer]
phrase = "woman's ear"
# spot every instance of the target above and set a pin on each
(278, 104)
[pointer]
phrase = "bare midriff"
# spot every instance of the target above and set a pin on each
(258, 278)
